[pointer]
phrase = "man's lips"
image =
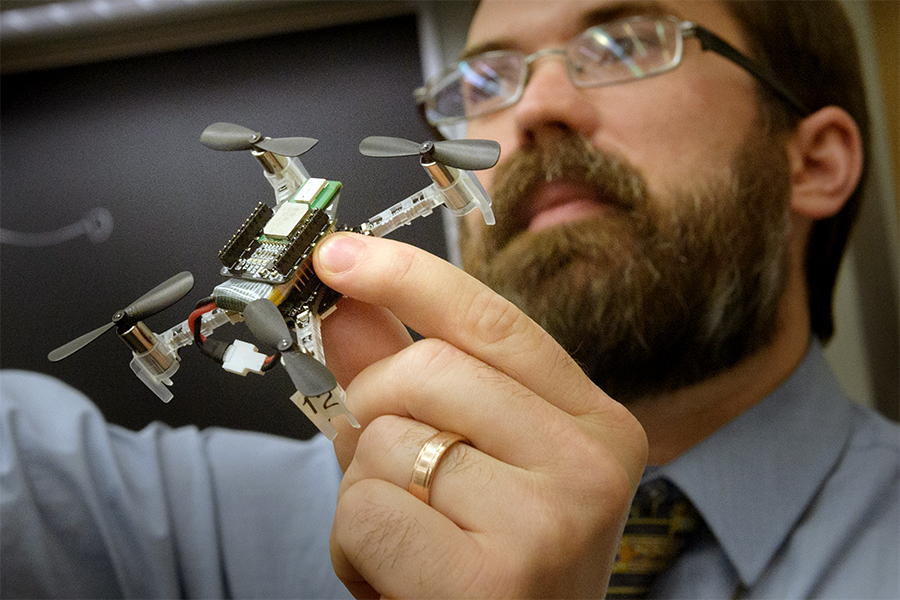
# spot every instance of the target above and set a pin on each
(558, 202)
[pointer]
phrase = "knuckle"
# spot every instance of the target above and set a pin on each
(585, 480)
(597, 471)
(494, 319)
(425, 361)
(384, 435)
(431, 365)
(371, 531)
(460, 458)
(612, 421)
(577, 526)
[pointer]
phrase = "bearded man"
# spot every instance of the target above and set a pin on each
(677, 183)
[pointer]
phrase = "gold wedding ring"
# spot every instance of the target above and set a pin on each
(427, 463)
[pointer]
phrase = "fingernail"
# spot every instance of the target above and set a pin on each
(338, 253)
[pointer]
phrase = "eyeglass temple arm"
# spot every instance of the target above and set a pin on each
(710, 41)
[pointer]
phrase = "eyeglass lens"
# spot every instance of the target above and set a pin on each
(602, 55)
(623, 51)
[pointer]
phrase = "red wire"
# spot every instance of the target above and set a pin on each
(192, 320)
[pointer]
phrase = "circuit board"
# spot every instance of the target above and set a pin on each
(270, 253)
(271, 243)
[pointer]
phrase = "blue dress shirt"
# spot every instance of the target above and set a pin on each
(800, 494)
(91, 510)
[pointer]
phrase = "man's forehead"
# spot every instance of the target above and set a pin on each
(520, 23)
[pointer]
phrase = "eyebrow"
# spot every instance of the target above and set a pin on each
(491, 46)
(621, 10)
(590, 18)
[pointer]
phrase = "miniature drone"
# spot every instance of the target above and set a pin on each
(271, 284)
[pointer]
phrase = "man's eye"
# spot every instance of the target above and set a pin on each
(477, 94)
(489, 79)
(590, 57)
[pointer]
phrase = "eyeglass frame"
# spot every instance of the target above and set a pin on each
(687, 29)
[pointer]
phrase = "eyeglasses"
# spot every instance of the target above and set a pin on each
(616, 52)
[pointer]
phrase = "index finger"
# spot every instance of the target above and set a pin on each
(439, 300)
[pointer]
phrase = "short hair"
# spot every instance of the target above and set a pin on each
(811, 47)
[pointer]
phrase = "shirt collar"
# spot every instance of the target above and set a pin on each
(753, 478)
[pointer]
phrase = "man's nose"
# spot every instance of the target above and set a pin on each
(551, 103)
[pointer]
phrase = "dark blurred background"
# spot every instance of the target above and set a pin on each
(102, 103)
(123, 135)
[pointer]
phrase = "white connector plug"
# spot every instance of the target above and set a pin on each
(241, 358)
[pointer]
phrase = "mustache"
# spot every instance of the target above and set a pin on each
(572, 158)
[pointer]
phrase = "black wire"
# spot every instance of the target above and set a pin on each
(210, 348)
(268, 366)
(204, 302)
(216, 349)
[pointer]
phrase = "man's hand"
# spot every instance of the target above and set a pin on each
(534, 505)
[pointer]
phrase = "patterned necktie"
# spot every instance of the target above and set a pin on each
(661, 523)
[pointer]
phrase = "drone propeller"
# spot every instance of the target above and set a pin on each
(227, 136)
(156, 300)
(471, 155)
(310, 377)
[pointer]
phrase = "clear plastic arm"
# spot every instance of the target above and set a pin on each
(180, 335)
(147, 367)
(464, 195)
(286, 182)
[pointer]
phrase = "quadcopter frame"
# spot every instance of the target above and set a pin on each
(271, 284)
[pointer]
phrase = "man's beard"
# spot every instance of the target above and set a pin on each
(657, 293)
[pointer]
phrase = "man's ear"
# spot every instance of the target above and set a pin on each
(826, 157)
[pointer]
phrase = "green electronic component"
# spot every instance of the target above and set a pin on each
(327, 195)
